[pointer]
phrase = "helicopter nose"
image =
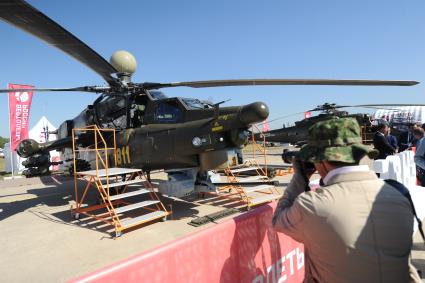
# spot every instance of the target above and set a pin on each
(254, 113)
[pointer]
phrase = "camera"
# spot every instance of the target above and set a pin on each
(287, 156)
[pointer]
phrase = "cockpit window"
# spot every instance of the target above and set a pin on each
(193, 103)
(111, 111)
(138, 109)
(168, 112)
(157, 95)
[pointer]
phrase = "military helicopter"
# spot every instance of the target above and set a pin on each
(153, 131)
(298, 134)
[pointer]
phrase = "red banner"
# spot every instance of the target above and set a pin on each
(245, 249)
(307, 114)
(19, 111)
(266, 126)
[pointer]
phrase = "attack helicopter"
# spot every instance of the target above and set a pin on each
(298, 134)
(153, 131)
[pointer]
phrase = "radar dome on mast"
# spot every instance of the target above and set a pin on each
(125, 63)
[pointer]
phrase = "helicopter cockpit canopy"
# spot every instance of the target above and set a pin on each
(168, 112)
(173, 110)
(156, 94)
(193, 104)
(111, 111)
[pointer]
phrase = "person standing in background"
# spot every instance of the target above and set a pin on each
(407, 138)
(420, 155)
(392, 140)
(381, 143)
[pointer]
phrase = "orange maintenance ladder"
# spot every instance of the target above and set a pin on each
(116, 187)
(251, 195)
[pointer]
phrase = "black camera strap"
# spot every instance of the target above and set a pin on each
(405, 192)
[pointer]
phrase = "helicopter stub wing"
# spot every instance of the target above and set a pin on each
(24, 16)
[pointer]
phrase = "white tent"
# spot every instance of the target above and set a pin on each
(402, 114)
(39, 133)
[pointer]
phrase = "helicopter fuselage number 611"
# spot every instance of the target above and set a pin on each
(123, 155)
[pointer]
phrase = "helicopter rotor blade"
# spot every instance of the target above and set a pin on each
(22, 15)
(95, 89)
(373, 107)
(328, 106)
(253, 82)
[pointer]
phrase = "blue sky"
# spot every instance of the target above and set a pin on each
(200, 40)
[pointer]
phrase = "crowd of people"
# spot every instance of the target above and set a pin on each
(387, 144)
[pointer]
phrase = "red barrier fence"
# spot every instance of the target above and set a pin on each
(243, 249)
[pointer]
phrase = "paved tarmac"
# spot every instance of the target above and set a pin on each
(41, 242)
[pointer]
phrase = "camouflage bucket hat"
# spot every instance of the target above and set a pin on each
(335, 140)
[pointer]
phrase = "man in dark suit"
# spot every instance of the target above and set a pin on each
(381, 143)
(392, 140)
(407, 139)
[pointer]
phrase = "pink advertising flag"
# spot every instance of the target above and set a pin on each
(266, 126)
(19, 111)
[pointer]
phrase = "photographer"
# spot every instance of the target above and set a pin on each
(355, 228)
